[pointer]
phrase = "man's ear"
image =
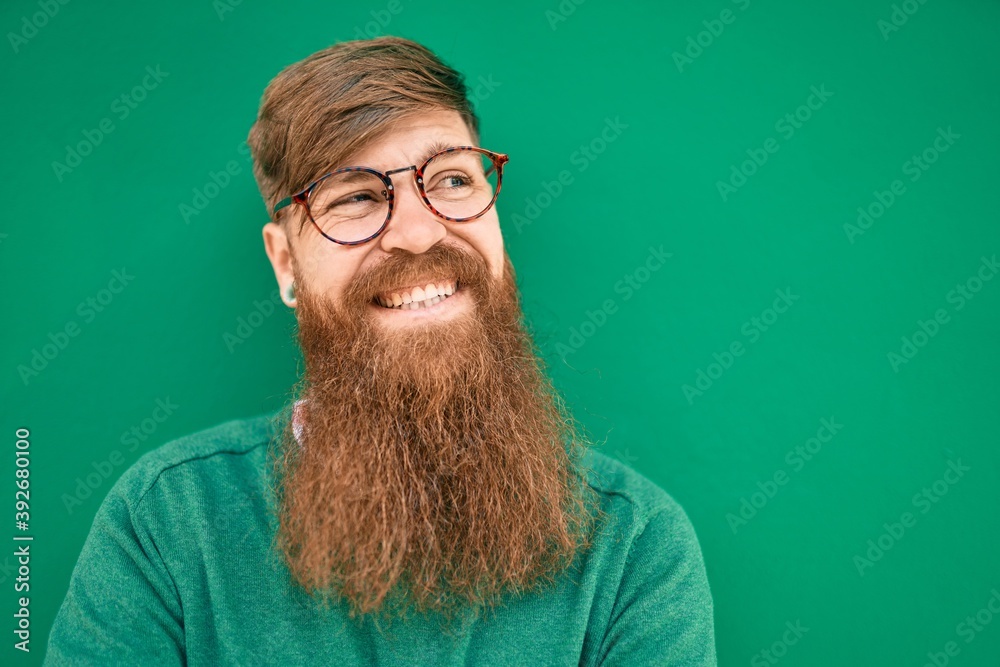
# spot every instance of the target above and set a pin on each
(278, 249)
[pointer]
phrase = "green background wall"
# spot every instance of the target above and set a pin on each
(784, 507)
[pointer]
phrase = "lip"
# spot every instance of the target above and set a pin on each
(442, 308)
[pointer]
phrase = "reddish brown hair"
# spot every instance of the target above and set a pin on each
(318, 111)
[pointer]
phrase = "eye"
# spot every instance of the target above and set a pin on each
(355, 199)
(455, 179)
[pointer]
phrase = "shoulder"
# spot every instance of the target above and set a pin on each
(637, 503)
(618, 483)
(655, 599)
(200, 451)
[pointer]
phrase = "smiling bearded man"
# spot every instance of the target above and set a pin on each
(424, 497)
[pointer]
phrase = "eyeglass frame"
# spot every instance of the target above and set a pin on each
(302, 197)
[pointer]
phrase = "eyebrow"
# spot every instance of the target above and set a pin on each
(434, 147)
(354, 176)
(430, 149)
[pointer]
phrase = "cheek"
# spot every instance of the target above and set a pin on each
(330, 270)
(488, 240)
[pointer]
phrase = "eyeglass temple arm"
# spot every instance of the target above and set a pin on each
(287, 201)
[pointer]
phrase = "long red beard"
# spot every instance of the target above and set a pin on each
(439, 469)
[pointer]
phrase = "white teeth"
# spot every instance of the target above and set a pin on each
(420, 297)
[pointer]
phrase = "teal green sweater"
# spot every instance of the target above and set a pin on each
(177, 569)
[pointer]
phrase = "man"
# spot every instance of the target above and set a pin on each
(426, 498)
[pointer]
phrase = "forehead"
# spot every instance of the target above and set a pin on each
(412, 140)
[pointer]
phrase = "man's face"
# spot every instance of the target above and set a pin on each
(330, 269)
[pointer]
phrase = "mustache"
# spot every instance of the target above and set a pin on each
(402, 267)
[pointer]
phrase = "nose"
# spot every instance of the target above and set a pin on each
(413, 226)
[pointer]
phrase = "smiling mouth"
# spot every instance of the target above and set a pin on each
(418, 298)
